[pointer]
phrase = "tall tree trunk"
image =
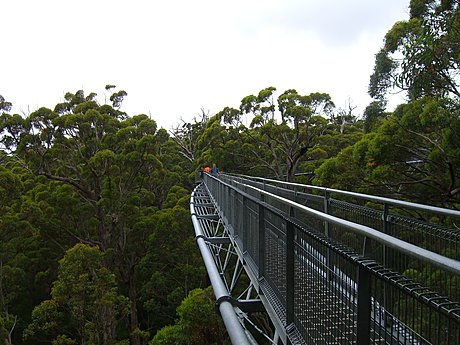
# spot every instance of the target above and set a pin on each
(134, 321)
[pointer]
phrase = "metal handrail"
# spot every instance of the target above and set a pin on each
(435, 259)
(383, 200)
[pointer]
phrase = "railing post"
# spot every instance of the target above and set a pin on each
(327, 197)
(363, 327)
(327, 233)
(386, 230)
(387, 299)
(290, 274)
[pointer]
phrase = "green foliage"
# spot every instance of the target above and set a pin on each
(169, 278)
(10, 186)
(270, 147)
(85, 297)
(170, 335)
(428, 44)
(4, 105)
(413, 154)
(117, 98)
(86, 173)
(8, 323)
(110, 193)
(342, 172)
(45, 319)
(374, 114)
(197, 323)
(11, 128)
(63, 340)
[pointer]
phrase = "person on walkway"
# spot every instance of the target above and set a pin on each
(214, 170)
(207, 170)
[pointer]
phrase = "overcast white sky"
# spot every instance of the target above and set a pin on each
(174, 57)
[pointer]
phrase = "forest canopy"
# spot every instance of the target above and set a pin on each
(94, 218)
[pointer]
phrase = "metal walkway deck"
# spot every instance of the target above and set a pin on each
(320, 266)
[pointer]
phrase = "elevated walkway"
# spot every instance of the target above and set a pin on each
(327, 270)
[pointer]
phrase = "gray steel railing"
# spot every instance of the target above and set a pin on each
(431, 228)
(367, 197)
(322, 291)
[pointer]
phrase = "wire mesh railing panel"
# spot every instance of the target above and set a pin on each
(440, 281)
(433, 237)
(284, 193)
(315, 202)
(356, 214)
(238, 220)
(278, 204)
(359, 215)
(404, 312)
(231, 210)
(275, 255)
(309, 222)
(323, 306)
(347, 237)
(251, 214)
(442, 239)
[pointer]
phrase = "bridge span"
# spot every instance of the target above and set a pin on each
(298, 264)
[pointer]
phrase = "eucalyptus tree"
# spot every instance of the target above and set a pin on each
(279, 145)
(374, 114)
(5, 106)
(85, 306)
(106, 176)
(12, 277)
(304, 121)
(197, 322)
(172, 266)
(414, 154)
(33, 236)
(421, 55)
(186, 135)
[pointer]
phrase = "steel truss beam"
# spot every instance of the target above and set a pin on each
(225, 268)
